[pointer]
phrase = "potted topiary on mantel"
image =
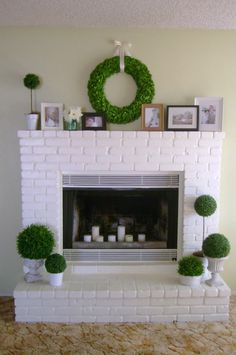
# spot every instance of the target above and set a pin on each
(32, 81)
(34, 243)
(216, 248)
(190, 269)
(55, 265)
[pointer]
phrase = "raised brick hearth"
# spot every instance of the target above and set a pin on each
(148, 293)
(48, 155)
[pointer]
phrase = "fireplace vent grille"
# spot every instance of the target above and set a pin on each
(143, 181)
(101, 255)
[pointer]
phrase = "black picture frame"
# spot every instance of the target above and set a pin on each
(182, 118)
(93, 121)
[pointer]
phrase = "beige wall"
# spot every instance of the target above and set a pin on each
(183, 64)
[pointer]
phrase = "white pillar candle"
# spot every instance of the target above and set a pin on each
(141, 237)
(121, 233)
(100, 238)
(95, 232)
(129, 238)
(87, 238)
(111, 238)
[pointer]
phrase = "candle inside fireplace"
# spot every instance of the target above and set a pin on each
(121, 233)
(87, 238)
(129, 238)
(141, 237)
(95, 232)
(100, 238)
(111, 238)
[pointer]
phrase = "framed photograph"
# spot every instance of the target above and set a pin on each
(51, 116)
(152, 117)
(182, 118)
(210, 113)
(93, 121)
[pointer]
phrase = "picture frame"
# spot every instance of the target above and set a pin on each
(210, 113)
(93, 121)
(152, 117)
(51, 116)
(182, 118)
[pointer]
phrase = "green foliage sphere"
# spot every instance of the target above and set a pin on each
(216, 246)
(55, 263)
(144, 95)
(31, 81)
(205, 205)
(190, 266)
(35, 242)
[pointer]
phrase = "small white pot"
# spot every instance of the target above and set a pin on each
(193, 281)
(32, 121)
(215, 265)
(55, 279)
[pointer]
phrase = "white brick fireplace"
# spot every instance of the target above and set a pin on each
(48, 155)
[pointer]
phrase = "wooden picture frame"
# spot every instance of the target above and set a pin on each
(51, 116)
(152, 117)
(182, 118)
(210, 113)
(93, 121)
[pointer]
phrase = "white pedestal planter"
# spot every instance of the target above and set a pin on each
(55, 279)
(193, 281)
(206, 275)
(31, 267)
(215, 265)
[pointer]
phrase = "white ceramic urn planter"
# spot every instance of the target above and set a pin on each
(31, 269)
(56, 279)
(215, 265)
(193, 281)
(32, 121)
(206, 275)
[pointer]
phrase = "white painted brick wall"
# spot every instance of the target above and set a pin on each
(47, 155)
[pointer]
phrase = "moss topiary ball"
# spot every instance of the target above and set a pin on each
(216, 246)
(31, 81)
(55, 263)
(35, 242)
(205, 205)
(190, 266)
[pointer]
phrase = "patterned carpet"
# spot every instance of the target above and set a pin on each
(106, 339)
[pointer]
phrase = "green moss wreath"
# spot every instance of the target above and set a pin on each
(144, 95)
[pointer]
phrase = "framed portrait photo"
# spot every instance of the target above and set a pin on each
(182, 118)
(210, 113)
(152, 117)
(93, 121)
(51, 116)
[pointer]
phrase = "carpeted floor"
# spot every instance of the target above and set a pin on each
(130, 339)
